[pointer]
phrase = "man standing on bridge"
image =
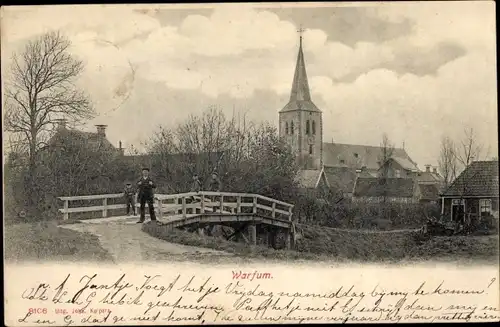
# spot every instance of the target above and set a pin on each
(145, 194)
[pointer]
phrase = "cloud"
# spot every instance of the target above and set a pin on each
(413, 109)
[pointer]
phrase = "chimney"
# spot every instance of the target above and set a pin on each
(61, 123)
(101, 130)
(434, 170)
(427, 168)
(120, 148)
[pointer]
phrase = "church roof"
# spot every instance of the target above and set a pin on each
(300, 96)
(355, 155)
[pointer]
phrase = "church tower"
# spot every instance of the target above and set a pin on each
(300, 121)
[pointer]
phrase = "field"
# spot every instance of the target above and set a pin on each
(47, 242)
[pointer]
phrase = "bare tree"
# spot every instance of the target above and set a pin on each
(41, 89)
(469, 149)
(247, 157)
(386, 153)
(447, 161)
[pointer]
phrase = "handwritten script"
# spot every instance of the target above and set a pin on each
(90, 299)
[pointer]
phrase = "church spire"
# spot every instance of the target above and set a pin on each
(300, 86)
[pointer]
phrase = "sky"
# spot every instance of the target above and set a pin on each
(416, 71)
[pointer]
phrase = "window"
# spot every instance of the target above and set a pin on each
(307, 128)
(310, 149)
(314, 127)
(291, 128)
(342, 161)
(398, 173)
(286, 128)
(356, 155)
(485, 207)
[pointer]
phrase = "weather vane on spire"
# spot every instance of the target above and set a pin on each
(300, 31)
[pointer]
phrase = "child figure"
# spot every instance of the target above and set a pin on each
(129, 193)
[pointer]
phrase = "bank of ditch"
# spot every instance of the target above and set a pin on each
(322, 243)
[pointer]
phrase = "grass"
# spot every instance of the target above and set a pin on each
(46, 241)
(321, 243)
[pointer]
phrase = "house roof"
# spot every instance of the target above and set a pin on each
(405, 163)
(428, 177)
(300, 96)
(341, 178)
(390, 187)
(480, 178)
(355, 155)
(309, 178)
(91, 139)
(429, 191)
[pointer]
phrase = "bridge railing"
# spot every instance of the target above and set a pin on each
(223, 203)
(105, 207)
(183, 204)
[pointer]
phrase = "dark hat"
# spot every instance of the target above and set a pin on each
(128, 183)
(145, 168)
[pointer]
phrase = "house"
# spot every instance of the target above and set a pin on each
(473, 194)
(64, 136)
(377, 190)
(429, 193)
(398, 167)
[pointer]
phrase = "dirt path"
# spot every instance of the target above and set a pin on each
(125, 241)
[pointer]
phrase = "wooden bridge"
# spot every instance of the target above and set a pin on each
(253, 218)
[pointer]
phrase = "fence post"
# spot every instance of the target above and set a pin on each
(179, 201)
(290, 213)
(105, 209)
(202, 203)
(254, 204)
(273, 214)
(221, 202)
(160, 208)
(238, 205)
(183, 207)
(66, 207)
